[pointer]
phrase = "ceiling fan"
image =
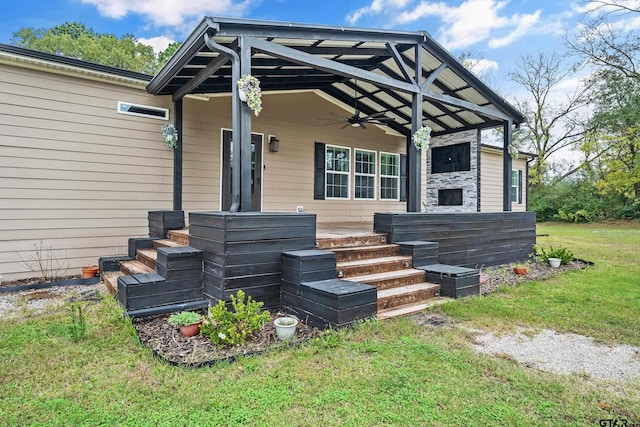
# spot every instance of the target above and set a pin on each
(358, 120)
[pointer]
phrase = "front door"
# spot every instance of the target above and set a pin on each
(256, 171)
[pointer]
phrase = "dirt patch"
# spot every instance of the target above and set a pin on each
(168, 344)
(32, 281)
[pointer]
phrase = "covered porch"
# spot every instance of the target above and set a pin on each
(405, 77)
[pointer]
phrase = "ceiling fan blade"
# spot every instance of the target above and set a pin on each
(362, 125)
(381, 113)
(333, 123)
(348, 124)
(339, 115)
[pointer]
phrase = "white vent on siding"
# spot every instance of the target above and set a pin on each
(143, 110)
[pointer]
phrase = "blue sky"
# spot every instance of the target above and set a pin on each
(494, 31)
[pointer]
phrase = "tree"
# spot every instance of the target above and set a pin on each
(551, 124)
(603, 42)
(165, 55)
(75, 40)
(615, 135)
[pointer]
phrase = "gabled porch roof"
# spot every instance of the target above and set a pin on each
(379, 65)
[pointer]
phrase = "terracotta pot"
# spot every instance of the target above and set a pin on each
(190, 330)
(520, 271)
(89, 272)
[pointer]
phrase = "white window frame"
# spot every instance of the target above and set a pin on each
(327, 172)
(165, 111)
(374, 174)
(515, 188)
(397, 177)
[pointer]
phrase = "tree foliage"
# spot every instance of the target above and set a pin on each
(76, 40)
(615, 136)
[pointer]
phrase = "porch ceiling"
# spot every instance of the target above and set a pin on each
(373, 67)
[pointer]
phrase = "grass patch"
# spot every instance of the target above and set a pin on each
(378, 373)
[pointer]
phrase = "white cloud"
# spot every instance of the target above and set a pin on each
(158, 44)
(480, 67)
(375, 8)
(168, 12)
(473, 21)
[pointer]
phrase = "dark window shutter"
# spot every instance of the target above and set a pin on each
(520, 187)
(318, 176)
(403, 177)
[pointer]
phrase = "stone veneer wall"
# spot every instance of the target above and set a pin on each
(466, 180)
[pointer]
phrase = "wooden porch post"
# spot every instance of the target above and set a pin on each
(177, 157)
(413, 154)
(245, 131)
(506, 166)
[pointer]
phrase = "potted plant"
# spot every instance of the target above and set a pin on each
(285, 327)
(188, 321)
(520, 269)
(554, 262)
(170, 135)
(249, 92)
(483, 274)
(90, 271)
(422, 138)
(555, 256)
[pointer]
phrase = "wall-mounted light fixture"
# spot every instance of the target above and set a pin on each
(274, 144)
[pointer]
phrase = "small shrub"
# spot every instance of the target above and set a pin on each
(227, 328)
(78, 325)
(563, 253)
(184, 318)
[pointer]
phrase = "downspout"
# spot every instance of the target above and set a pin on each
(235, 120)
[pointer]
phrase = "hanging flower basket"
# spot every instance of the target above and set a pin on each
(170, 135)
(422, 138)
(249, 92)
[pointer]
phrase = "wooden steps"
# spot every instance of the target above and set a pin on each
(367, 258)
(110, 280)
(148, 257)
(366, 252)
(146, 260)
(391, 279)
(368, 239)
(372, 265)
(409, 309)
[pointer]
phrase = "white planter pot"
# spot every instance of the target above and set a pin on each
(285, 327)
(242, 95)
(555, 262)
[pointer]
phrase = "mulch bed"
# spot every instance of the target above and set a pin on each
(32, 281)
(504, 275)
(166, 342)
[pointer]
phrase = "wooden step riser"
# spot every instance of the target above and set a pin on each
(351, 242)
(395, 282)
(416, 297)
(148, 261)
(179, 237)
(383, 267)
(357, 254)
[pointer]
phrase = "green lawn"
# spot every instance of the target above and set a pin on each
(379, 373)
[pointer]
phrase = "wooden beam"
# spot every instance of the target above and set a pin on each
(401, 64)
(201, 77)
(177, 156)
(433, 76)
(413, 154)
(506, 166)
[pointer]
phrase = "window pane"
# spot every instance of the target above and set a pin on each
(337, 159)
(364, 187)
(365, 162)
(337, 185)
(389, 164)
(388, 188)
